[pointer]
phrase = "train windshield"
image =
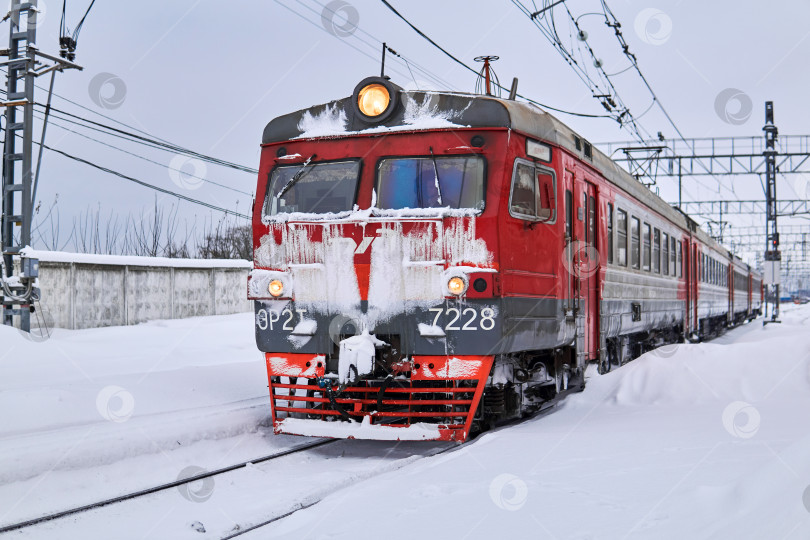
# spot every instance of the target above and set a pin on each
(316, 188)
(431, 182)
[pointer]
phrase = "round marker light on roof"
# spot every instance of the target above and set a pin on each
(275, 288)
(373, 99)
(456, 286)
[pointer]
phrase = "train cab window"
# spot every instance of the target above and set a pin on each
(665, 256)
(672, 257)
(645, 262)
(431, 182)
(533, 193)
(680, 259)
(316, 188)
(621, 235)
(610, 233)
(657, 251)
(635, 243)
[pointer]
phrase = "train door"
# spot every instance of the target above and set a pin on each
(730, 294)
(586, 268)
(571, 298)
(693, 283)
(686, 251)
(750, 306)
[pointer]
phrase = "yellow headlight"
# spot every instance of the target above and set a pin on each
(275, 288)
(456, 286)
(373, 99)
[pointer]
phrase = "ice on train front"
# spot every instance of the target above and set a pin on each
(375, 277)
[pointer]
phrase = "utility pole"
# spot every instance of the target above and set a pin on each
(772, 255)
(25, 62)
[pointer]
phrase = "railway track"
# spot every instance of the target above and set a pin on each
(162, 487)
(304, 506)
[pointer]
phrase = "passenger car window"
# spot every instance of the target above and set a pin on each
(635, 247)
(647, 255)
(621, 227)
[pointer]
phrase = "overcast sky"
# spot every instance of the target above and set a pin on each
(209, 75)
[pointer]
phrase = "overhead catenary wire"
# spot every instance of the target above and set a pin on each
(612, 21)
(597, 88)
(474, 71)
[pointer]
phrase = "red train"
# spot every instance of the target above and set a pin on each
(429, 263)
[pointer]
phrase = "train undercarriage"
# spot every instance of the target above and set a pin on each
(443, 397)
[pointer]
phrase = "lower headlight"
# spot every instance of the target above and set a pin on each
(457, 285)
(275, 288)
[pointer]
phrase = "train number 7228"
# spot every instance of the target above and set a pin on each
(468, 318)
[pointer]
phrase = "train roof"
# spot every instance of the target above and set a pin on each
(444, 110)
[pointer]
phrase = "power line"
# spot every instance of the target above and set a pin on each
(465, 66)
(206, 180)
(156, 143)
(145, 137)
(146, 184)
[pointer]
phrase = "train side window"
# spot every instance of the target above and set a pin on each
(657, 251)
(665, 256)
(610, 233)
(533, 193)
(569, 206)
(635, 243)
(672, 257)
(645, 263)
(680, 259)
(621, 227)
(592, 221)
(703, 267)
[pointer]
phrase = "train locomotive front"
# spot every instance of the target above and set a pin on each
(379, 240)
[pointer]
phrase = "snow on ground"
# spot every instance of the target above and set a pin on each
(691, 441)
(708, 440)
(92, 414)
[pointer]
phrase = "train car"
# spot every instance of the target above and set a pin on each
(429, 263)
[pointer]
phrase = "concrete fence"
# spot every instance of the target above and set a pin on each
(90, 291)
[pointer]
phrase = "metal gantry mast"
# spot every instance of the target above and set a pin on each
(23, 65)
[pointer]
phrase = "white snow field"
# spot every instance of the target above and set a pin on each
(691, 441)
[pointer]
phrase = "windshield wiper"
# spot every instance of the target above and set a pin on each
(436, 172)
(296, 177)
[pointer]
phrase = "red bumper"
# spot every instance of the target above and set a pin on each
(437, 401)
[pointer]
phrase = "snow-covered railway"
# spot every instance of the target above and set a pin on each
(180, 484)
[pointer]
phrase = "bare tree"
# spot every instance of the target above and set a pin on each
(155, 233)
